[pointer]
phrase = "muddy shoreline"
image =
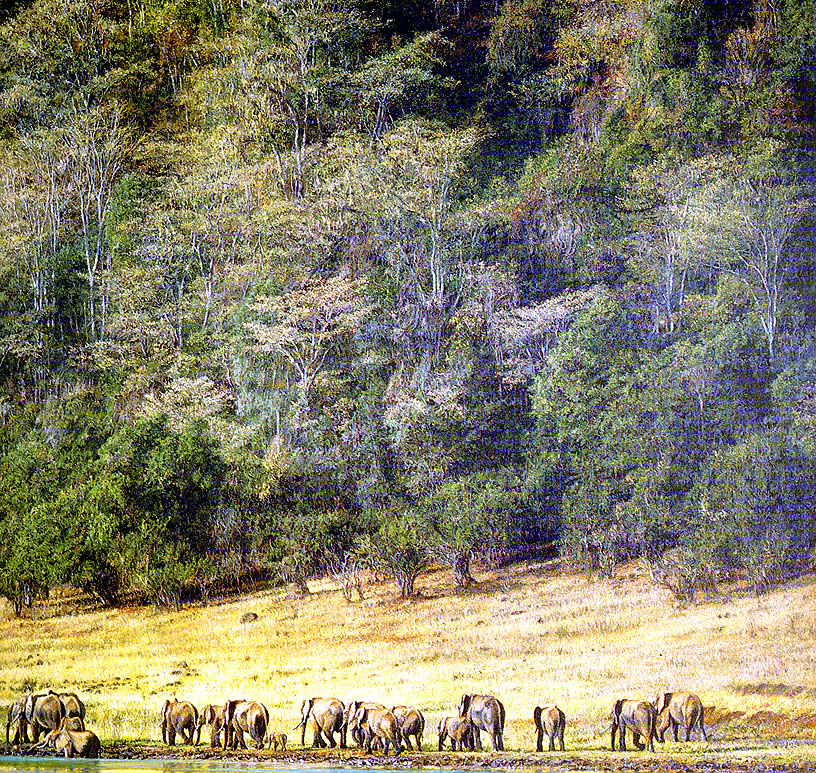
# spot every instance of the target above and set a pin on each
(560, 761)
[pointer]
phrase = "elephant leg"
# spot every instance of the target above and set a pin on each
(622, 738)
(477, 738)
(675, 726)
(239, 738)
(330, 735)
(639, 745)
(500, 739)
(318, 742)
(171, 736)
(688, 732)
(408, 744)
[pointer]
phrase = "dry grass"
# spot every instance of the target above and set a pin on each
(527, 634)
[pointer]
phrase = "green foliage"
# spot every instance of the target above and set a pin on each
(750, 511)
(397, 545)
(346, 250)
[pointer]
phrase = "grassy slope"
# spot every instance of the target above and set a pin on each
(528, 633)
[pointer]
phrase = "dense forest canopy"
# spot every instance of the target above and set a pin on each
(300, 286)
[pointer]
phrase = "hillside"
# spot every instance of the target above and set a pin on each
(296, 289)
(528, 633)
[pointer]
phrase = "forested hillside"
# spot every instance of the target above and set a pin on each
(292, 287)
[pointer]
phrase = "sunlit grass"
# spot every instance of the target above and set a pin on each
(527, 634)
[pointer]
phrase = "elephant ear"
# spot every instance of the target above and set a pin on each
(464, 704)
(537, 716)
(663, 699)
(616, 708)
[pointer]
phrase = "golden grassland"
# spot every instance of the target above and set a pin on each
(529, 633)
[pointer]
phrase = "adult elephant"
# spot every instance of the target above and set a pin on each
(351, 719)
(43, 712)
(214, 717)
(71, 703)
(16, 716)
(411, 723)
(178, 717)
(380, 725)
(459, 730)
(485, 712)
(68, 723)
(328, 717)
(676, 710)
(549, 720)
(75, 743)
(250, 717)
(637, 716)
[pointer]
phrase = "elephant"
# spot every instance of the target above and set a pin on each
(638, 716)
(328, 715)
(351, 719)
(179, 717)
(71, 702)
(676, 710)
(485, 712)
(551, 720)
(459, 730)
(379, 724)
(79, 743)
(43, 711)
(75, 724)
(16, 715)
(214, 717)
(279, 741)
(241, 717)
(411, 723)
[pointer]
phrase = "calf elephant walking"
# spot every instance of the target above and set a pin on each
(459, 731)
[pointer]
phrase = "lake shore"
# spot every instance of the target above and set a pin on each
(744, 755)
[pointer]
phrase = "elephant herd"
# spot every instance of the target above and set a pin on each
(647, 720)
(58, 717)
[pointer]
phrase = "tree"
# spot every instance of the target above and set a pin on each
(755, 229)
(397, 546)
(98, 146)
(306, 325)
(750, 510)
(472, 515)
(588, 410)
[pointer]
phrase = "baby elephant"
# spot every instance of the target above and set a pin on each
(550, 721)
(279, 741)
(459, 731)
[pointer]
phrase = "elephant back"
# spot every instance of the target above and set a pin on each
(44, 710)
